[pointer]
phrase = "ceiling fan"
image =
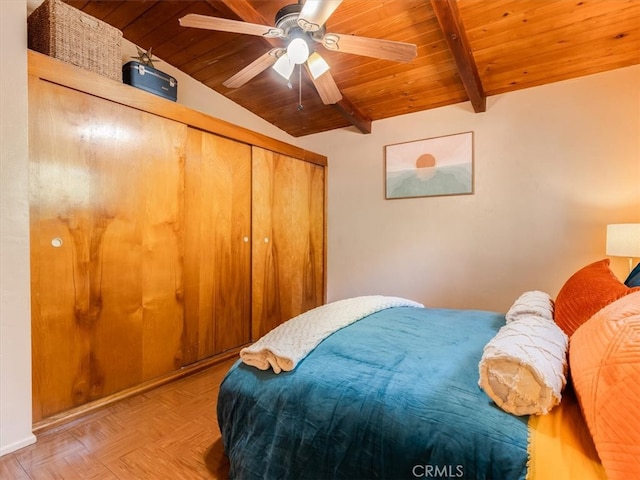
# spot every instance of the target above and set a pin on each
(302, 27)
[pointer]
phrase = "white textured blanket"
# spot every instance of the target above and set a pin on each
(534, 303)
(284, 346)
(523, 368)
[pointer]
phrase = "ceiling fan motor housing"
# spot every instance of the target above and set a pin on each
(287, 20)
(287, 17)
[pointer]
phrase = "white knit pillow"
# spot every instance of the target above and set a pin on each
(523, 368)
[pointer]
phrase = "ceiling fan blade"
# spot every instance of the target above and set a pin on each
(370, 47)
(315, 13)
(254, 68)
(226, 25)
(326, 87)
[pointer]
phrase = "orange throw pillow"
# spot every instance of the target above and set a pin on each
(586, 292)
(604, 358)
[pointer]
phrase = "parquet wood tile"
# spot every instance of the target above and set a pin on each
(167, 433)
(11, 468)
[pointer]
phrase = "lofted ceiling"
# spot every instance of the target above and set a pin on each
(467, 50)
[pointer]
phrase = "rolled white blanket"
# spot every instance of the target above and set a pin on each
(284, 346)
(523, 368)
(533, 302)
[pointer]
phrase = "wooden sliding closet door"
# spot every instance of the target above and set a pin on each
(218, 247)
(288, 239)
(106, 246)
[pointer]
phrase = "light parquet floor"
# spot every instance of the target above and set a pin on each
(170, 432)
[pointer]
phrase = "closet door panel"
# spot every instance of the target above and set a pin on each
(60, 279)
(107, 182)
(218, 251)
(162, 244)
(288, 239)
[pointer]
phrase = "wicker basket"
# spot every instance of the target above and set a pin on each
(64, 32)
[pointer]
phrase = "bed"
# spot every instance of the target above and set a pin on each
(395, 394)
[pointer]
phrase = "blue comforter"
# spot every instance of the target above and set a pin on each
(394, 395)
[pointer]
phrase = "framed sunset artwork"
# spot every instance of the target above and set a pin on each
(430, 167)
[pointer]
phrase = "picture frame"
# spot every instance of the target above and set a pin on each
(430, 167)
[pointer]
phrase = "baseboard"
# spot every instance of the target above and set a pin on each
(25, 442)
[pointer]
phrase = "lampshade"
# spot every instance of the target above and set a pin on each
(317, 65)
(623, 240)
(284, 66)
(298, 51)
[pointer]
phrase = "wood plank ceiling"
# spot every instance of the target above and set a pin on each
(467, 51)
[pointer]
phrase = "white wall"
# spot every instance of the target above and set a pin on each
(15, 319)
(553, 165)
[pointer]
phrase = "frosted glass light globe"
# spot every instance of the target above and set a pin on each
(298, 51)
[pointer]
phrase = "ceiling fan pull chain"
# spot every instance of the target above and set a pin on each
(300, 107)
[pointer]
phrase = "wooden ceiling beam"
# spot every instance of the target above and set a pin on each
(454, 33)
(355, 116)
(247, 13)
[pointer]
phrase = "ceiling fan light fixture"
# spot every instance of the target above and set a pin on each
(284, 66)
(317, 65)
(298, 51)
